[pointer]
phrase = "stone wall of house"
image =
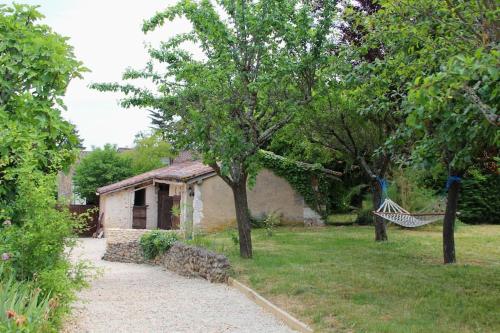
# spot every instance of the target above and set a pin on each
(271, 194)
(152, 207)
(123, 246)
(117, 209)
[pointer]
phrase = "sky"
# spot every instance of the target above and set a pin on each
(107, 38)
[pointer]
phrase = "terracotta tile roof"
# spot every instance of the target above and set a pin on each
(184, 156)
(177, 172)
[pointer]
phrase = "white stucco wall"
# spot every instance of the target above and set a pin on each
(186, 218)
(152, 207)
(117, 209)
(197, 208)
(214, 205)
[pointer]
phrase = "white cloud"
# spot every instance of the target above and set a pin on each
(107, 37)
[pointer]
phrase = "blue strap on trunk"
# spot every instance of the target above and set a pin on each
(451, 180)
(384, 185)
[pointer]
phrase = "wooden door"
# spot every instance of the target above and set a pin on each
(176, 220)
(165, 204)
(139, 217)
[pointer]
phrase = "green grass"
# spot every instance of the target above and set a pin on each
(340, 219)
(339, 279)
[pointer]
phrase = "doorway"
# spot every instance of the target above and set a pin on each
(139, 210)
(165, 204)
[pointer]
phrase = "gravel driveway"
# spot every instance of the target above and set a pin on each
(142, 298)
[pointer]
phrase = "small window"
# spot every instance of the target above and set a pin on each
(140, 197)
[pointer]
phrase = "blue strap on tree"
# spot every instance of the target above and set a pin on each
(451, 180)
(384, 185)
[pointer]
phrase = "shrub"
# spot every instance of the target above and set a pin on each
(156, 242)
(36, 239)
(267, 221)
(257, 222)
(270, 222)
(22, 306)
(365, 217)
(479, 200)
(408, 190)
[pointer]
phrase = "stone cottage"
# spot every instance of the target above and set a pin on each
(189, 195)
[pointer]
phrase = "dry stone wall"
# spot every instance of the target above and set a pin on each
(194, 261)
(123, 246)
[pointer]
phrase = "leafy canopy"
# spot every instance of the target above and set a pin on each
(449, 53)
(36, 65)
(150, 152)
(101, 167)
(257, 72)
(255, 75)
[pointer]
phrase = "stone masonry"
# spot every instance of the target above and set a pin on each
(123, 246)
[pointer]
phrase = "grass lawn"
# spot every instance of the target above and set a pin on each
(339, 279)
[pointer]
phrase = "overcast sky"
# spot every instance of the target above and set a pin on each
(107, 37)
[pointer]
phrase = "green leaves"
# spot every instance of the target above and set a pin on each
(258, 68)
(36, 66)
(149, 152)
(99, 168)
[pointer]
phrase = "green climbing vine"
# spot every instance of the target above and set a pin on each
(318, 188)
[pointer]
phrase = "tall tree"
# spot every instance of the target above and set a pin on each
(448, 53)
(356, 107)
(99, 168)
(36, 66)
(258, 69)
(150, 152)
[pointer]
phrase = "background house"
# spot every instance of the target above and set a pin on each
(189, 195)
(65, 184)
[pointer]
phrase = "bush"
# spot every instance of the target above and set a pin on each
(479, 200)
(270, 222)
(257, 222)
(22, 307)
(156, 242)
(408, 190)
(267, 221)
(365, 217)
(34, 239)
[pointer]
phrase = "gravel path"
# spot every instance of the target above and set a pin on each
(141, 298)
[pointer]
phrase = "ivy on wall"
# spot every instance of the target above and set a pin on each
(318, 186)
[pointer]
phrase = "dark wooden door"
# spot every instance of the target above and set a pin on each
(165, 204)
(176, 219)
(139, 217)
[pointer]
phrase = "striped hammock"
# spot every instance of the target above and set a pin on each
(394, 213)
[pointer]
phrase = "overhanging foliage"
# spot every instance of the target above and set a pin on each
(318, 186)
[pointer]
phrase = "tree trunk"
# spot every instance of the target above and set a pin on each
(380, 230)
(449, 223)
(243, 217)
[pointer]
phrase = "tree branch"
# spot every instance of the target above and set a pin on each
(487, 111)
(303, 165)
(217, 170)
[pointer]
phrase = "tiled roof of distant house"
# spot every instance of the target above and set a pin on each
(183, 156)
(181, 172)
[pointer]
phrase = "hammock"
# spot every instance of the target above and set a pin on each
(394, 213)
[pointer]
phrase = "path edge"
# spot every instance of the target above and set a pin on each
(281, 314)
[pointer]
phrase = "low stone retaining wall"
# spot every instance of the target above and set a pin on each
(123, 246)
(194, 261)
